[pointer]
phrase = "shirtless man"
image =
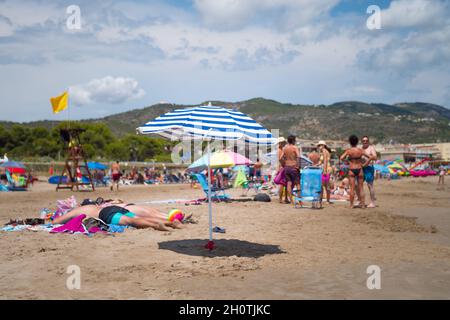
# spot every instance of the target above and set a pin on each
(369, 171)
(122, 215)
(356, 174)
(257, 167)
(291, 155)
(115, 175)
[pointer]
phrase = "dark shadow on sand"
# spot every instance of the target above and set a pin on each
(224, 248)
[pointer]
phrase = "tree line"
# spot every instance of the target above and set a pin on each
(26, 143)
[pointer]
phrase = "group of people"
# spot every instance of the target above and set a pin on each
(149, 175)
(361, 170)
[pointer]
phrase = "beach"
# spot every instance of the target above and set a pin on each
(269, 250)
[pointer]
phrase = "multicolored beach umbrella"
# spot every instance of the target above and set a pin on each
(208, 123)
(14, 167)
(220, 159)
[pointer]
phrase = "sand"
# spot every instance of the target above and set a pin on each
(269, 250)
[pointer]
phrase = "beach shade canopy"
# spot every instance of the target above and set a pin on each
(382, 169)
(208, 123)
(14, 167)
(220, 159)
(395, 167)
(96, 166)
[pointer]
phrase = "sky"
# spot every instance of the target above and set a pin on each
(129, 54)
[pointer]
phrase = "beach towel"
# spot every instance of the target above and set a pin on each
(45, 227)
(115, 228)
(241, 179)
(73, 226)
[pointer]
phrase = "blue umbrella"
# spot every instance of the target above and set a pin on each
(96, 166)
(208, 122)
(12, 164)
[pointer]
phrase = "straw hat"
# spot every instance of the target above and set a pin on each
(281, 140)
(323, 143)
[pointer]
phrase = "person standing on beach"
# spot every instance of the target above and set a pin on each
(280, 169)
(257, 167)
(115, 175)
(291, 155)
(441, 175)
(369, 170)
(324, 162)
(355, 174)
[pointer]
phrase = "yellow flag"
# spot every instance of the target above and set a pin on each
(60, 103)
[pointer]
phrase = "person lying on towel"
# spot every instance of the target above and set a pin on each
(127, 215)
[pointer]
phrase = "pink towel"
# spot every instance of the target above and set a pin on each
(72, 226)
(280, 178)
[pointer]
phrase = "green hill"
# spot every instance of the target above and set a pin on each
(402, 122)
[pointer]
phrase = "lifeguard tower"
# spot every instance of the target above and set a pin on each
(75, 171)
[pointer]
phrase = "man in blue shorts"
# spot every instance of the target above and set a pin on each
(369, 171)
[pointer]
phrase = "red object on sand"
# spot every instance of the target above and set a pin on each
(210, 245)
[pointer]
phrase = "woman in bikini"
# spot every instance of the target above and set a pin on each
(122, 214)
(354, 156)
(324, 162)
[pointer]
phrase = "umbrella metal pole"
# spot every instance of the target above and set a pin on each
(209, 192)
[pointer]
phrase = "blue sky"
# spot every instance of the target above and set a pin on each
(130, 54)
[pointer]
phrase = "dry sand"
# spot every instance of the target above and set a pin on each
(269, 250)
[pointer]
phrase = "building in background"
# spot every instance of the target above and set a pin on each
(411, 152)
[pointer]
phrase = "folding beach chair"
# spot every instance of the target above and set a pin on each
(215, 192)
(13, 186)
(311, 187)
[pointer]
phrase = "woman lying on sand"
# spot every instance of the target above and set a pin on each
(125, 215)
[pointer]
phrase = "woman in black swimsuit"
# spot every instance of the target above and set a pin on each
(354, 156)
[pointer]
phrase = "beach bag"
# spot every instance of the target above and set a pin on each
(279, 178)
(262, 197)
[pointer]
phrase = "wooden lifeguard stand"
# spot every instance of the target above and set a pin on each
(76, 160)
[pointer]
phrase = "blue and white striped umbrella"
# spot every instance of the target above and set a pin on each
(211, 121)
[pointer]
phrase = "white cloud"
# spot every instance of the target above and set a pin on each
(235, 14)
(23, 14)
(414, 13)
(288, 50)
(106, 90)
(197, 45)
(417, 51)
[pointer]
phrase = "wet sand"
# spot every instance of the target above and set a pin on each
(269, 250)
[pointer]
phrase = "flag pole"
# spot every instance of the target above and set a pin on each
(68, 108)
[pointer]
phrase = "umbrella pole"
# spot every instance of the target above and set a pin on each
(210, 244)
